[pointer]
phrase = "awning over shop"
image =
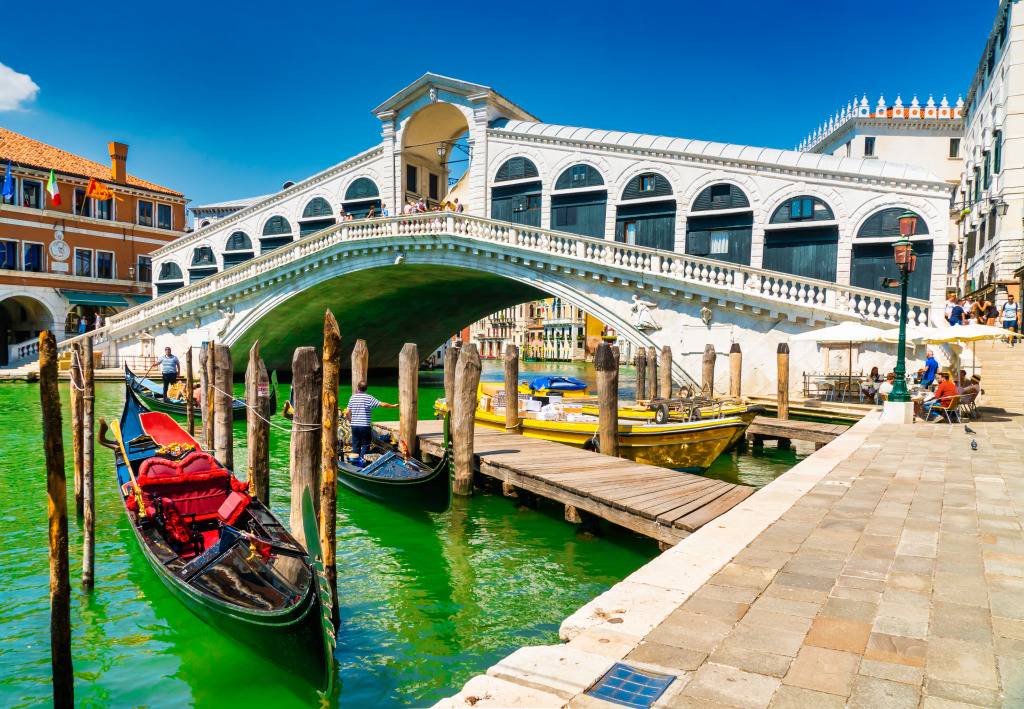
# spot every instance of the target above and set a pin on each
(79, 298)
(141, 299)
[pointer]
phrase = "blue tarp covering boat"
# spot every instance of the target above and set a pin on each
(557, 384)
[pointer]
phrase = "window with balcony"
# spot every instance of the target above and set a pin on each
(163, 216)
(33, 258)
(144, 271)
(145, 213)
(105, 264)
(31, 194)
(83, 263)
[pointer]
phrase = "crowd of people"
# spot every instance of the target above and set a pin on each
(411, 207)
(968, 311)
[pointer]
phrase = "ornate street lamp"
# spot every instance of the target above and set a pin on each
(906, 261)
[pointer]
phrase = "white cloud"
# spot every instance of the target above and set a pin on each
(15, 89)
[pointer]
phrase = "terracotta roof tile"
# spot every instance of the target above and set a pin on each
(31, 153)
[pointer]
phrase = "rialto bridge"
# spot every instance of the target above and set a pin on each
(670, 241)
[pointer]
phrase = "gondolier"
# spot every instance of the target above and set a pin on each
(359, 413)
(170, 368)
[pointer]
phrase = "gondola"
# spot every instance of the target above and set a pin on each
(220, 552)
(151, 394)
(391, 476)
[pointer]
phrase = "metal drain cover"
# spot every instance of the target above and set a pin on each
(630, 687)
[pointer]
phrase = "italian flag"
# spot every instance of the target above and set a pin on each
(51, 187)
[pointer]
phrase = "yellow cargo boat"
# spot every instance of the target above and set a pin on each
(691, 446)
(698, 410)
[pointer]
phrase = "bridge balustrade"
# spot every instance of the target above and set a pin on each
(609, 255)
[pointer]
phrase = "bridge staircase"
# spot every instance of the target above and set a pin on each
(1001, 372)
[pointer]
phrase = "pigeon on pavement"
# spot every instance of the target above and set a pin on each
(968, 429)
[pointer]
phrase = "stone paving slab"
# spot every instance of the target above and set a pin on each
(887, 570)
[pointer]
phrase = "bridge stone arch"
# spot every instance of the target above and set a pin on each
(365, 172)
(828, 195)
(544, 175)
(936, 222)
(576, 158)
(669, 172)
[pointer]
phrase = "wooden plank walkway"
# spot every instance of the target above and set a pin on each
(660, 503)
(766, 427)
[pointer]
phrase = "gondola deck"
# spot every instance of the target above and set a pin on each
(151, 395)
(220, 552)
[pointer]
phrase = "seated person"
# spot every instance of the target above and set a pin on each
(973, 386)
(945, 391)
(197, 394)
(869, 387)
(885, 388)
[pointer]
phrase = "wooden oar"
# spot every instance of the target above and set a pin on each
(115, 428)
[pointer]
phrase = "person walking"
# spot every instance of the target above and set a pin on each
(991, 312)
(1009, 315)
(170, 368)
(81, 325)
(931, 368)
(958, 315)
(359, 412)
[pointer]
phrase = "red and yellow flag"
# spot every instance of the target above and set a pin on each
(98, 190)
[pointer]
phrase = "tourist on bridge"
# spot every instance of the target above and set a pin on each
(359, 412)
(170, 368)
(384, 210)
(950, 304)
(958, 314)
(991, 313)
(1009, 314)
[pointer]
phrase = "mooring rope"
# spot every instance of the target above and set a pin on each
(307, 427)
(71, 371)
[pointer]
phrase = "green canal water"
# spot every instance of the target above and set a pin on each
(427, 601)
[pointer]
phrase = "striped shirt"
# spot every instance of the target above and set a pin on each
(359, 407)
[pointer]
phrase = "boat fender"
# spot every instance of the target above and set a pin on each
(661, 413)
(592, 444)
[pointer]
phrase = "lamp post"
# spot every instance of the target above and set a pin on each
(906, 260)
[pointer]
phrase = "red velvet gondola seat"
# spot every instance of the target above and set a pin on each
(196, 484)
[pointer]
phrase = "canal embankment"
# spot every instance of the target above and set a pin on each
(886, 569)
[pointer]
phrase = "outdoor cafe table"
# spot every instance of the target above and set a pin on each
(833, 379)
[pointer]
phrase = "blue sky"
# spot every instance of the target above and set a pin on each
(226, 99)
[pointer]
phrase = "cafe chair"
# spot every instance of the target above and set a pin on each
(951, 409)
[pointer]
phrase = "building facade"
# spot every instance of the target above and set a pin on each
(62, 263)
(990, 197)
(929, 136)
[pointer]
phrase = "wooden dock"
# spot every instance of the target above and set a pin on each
(766, 428)
(660, 503)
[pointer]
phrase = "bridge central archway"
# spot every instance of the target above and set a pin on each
(386, 306)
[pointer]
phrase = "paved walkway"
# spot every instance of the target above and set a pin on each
(895, 578)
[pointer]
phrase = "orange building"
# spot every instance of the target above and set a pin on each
(62, 263)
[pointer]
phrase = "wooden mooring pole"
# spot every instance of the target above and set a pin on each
(652, 372)
(329, 453)
(88, 467)
(76, 375)
(467, 379)
(666, 372)
(223, 420)
(735, 371)
(190, 407)
(607, 400)
(257, 399)
(783, 391)
(641, 372)
(207, 360)
(707, 384)
(307, 386)
(451, 361)
(512, 389)
(408, 395)
(360, 364)
(57, 515)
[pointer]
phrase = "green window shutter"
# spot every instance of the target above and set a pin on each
(203, 256)
(317, 207)
(997, 161)
(516, 169)
(239, 241)
(170, 272)
(363, 188)
(886, 223)
(698, 243)
(662, 187)
(720, 196)
(277, 225)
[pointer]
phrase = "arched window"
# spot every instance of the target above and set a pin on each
(317, 207)
(238, 249)
(516, 169)
(579, 176)
(886, 223)
(276, 226)
(204, 264)
(202, 256)
(206, 223)
(239, 241)
(276, 233)
(720, 196)
(169, 271)
(802, 209)
(363, 188)
(873, 261)
(649, 184)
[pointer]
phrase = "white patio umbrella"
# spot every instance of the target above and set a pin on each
(847, 332)
(967, 333)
